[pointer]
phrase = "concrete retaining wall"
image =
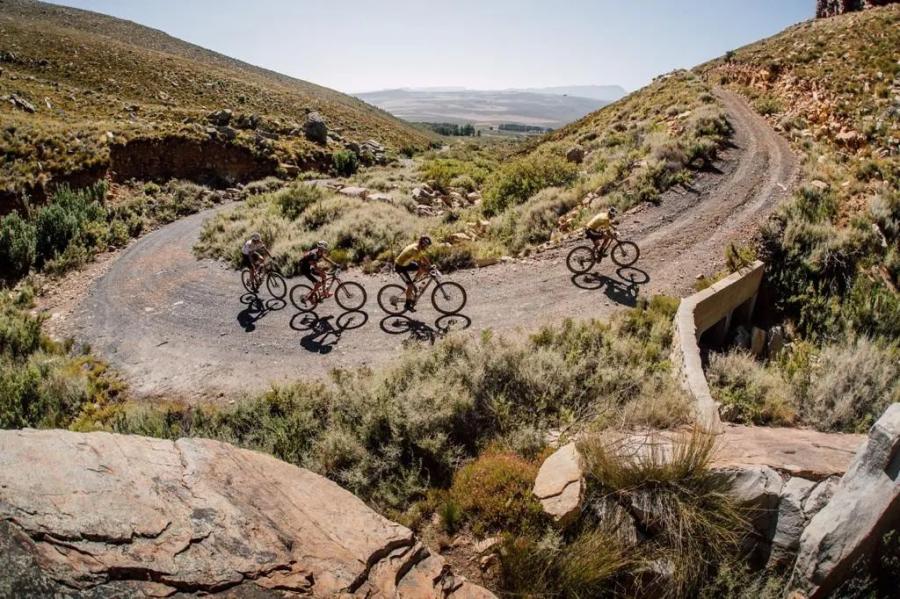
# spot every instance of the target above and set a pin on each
(711, 312)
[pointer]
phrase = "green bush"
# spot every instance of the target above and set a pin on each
(345, 162)
(518, 180)
(295, 199)
(18, 246)
(749, 392)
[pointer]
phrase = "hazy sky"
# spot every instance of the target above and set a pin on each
(358, 45)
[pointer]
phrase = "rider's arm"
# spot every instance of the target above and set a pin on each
(330, 261)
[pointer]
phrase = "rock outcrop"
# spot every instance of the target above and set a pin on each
(116, 515)
(831, 8)
(865, 505)
(315, 128)
(559, 484)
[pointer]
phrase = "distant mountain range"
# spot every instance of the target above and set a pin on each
(549, 107)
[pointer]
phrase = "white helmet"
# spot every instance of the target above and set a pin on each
(322, 245)
(256, 237)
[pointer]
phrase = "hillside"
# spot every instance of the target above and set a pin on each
(82, 90)
(832, 86)
(483, 108)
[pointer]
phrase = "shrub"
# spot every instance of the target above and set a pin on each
(849, 385)
(18, 246)
(345, 162)
(494, 493)
(518, 180)
(749, 392)
(692, 523)
(295, 199)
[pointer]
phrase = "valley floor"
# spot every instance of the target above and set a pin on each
(177, 326)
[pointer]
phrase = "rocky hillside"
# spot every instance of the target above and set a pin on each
(85, 93)
(831, 8)
(832, 86)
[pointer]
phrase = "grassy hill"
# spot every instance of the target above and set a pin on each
(79, 86)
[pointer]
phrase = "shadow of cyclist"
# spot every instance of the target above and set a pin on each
(418, 330)
(623, 289)
(324, 333)
(255, 309)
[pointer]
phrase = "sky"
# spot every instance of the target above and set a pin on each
(357, 45)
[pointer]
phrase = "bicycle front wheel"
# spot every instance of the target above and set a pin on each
(392, 299)
(247, 281)
(625, 253)
(276, 285)
(448, 297)
(581, 259)
(350, 296)
(300, 295)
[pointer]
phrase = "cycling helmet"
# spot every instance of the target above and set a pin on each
(612, 212)
(425, 240)
(322, 245)
(256, 237)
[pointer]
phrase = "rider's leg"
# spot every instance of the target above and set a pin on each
(323, 288)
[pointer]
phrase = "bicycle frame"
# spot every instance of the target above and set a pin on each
(433, 276)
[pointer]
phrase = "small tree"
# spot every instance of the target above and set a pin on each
(17, 246)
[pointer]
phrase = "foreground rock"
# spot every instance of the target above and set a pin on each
(115, 515)
(865, 505)
(315, 128)
(559, 485)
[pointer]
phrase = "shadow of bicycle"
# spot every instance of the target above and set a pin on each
(419, 331)
(256, 309)
(623, 289)
(324, 333)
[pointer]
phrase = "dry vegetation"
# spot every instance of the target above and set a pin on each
(832, 86)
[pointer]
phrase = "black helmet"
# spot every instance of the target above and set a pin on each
(425, 240)
(612, 212)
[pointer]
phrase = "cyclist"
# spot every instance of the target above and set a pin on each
(412, 259)
(255, 252)
(309, 267)
(600, 229)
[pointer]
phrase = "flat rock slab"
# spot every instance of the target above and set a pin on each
(799, 452)
(152, 516)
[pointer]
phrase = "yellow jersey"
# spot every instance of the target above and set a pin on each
(600, 222)
(410, 253)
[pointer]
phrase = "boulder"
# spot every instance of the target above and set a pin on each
(379, 197)
(820, 496)
(791, 521)
(865, 505)
(116, 515)
(757, 341)
(21, 103)
(219, 118)
(757, 488)
(559, 485)
(315, 128)
(354, 192)
(575, 154)
(774, 341)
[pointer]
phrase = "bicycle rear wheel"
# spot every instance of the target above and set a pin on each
(392, 299)
(276, 285)
(350, 296)
(247, 281)
(625, 253)
(300, 294)
(581, 259)
(448, 297)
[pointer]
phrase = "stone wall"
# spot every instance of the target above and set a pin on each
(712, 309)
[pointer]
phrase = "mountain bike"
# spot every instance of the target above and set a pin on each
(583, 258)
(275, 283)
(447, 297)
(349, 295)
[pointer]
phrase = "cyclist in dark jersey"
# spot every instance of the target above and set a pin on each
(309, 267)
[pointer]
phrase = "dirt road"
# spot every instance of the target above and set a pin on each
(178, 326)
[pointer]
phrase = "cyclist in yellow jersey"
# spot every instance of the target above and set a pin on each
(600, 229)
(412, 259)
